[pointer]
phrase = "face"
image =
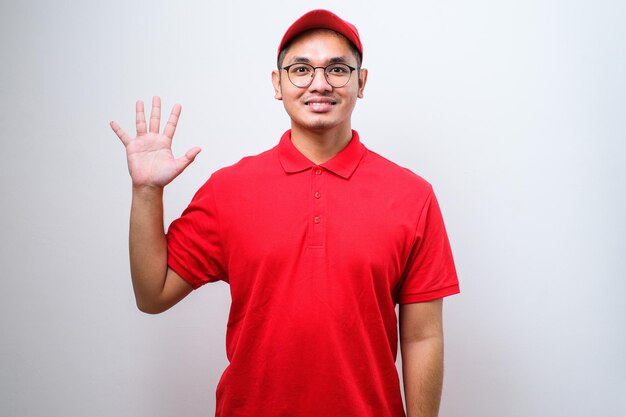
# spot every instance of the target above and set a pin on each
(319, 107)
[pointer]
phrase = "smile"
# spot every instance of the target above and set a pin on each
(320, 100)
(320, 104)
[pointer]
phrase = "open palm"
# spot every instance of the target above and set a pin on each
(150, 159)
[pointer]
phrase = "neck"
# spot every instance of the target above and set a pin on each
(320, 146)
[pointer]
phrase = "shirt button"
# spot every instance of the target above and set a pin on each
(316, 220)
(317, 194)
(318, 172)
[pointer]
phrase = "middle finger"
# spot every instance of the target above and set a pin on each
(155, 115)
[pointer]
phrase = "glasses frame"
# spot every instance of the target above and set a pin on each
(352, 69)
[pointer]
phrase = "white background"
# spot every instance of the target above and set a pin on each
(513, 110)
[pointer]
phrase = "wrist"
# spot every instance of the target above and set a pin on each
(147, 192)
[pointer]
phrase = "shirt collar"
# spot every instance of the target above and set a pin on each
(343, 164)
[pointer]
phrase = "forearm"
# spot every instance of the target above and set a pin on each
(148, 246)
(422, 368)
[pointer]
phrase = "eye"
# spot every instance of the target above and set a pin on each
(338, 69)
(300, 69)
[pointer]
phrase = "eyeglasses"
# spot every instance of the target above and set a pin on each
(301, 75)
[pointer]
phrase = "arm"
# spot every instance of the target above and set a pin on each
(156, 287)
(152, 166)
(421, 341)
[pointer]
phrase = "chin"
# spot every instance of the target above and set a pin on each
(318, 123)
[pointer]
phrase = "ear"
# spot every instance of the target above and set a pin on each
(278, 95)
(362, 81)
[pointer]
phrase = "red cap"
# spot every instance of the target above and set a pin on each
(322, 19)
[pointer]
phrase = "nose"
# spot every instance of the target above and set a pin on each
(319, 82)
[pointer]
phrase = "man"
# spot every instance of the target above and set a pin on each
(319, 238)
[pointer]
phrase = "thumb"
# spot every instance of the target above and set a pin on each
(184, 161)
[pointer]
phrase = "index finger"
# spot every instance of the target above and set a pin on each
(170, 127)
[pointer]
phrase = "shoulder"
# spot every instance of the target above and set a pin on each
(231, 183)
(246, 169)
(391, 173)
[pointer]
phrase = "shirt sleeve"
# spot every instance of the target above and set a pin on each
(194, 244)
(430, 272)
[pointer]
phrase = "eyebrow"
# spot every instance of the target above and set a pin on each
(334, 60)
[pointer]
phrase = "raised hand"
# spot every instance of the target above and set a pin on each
(150, 159)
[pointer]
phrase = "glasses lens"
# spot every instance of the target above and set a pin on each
(338, 75)
(301, 75)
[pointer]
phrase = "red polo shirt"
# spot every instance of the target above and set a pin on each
(317, 257)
